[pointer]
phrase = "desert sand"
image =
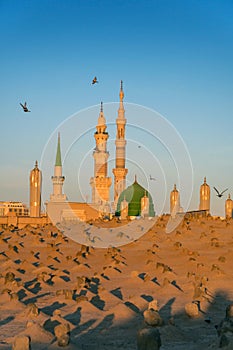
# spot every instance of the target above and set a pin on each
(47, 280)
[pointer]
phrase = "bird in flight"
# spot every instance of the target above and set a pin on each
(94, 81)
(25, 109)
(220, 194)
(152, 178)
(122, 234)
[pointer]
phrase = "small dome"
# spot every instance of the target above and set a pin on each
(133, 195)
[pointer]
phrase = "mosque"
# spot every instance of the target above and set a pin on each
(129, 203)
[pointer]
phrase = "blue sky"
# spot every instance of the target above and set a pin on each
(174, 57)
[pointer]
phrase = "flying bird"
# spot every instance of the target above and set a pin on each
(25, 109)
(94, 81)
(122, 234)
(94, 239)
(152, 178)
(220, 194)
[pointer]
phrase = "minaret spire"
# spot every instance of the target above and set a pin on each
(120, 171)
(58, 155)
(121, 94)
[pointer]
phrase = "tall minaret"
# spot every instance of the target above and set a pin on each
(58, 179)
(204, 196)
(101, 183)
(120, 171)
(229, 207)
(174, 202)
(35, 191)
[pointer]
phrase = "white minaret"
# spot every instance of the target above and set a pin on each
(58, 179)
(100, 183)
(35, 191)
(120, 171)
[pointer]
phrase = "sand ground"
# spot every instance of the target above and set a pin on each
(42, 285)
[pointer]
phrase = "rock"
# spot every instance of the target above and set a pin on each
(134, 273)
(229, 311)
(63, 340)
(62, 333)
(191, 310)
(225, 326)
(81, 281)
(32, 310)
(81, 298)
(148, 339)
(68, 294)
(152, 318)
(153, 305)
(226, 341)
(21, 342)
(57, 312)
(10, 277)
(14, 296)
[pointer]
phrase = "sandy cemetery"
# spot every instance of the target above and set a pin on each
(172, 288)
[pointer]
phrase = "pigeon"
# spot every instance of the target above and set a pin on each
(25, 109)
(94, 81)
(152, 178)
(122, 234)
(93, 239)
(220, 194)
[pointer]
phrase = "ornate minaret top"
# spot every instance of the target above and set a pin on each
(121, 92)
(120, 171)
(101, 126)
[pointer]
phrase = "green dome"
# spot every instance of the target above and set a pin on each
(133, 195)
